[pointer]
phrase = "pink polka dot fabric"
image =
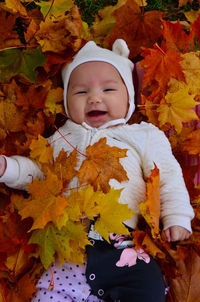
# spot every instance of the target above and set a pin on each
(69, 285)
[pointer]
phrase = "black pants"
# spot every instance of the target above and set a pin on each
(142, 282)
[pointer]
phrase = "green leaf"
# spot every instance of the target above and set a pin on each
(58, 8)
(20, 62)
(44, 238)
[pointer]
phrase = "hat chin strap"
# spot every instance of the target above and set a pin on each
(106, 125)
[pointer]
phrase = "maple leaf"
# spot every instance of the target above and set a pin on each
(177, 108)
(150, 209)
(185, 285)
(192, 15)
(143, 240)
(175, 37)
(101, 165)
(70, 243)
(184, 2)
(44, 238)
(44, 205)
(41, 150)
(15, 6)
(160, 66)
(58, 35)
(7, 34)
(58, 9)
(144, 31)
(64, 166)
(11, 118)
(54, 97)
(112, 214)
(34, 97)
(195, 31)
(20, 62)
(192, 143)
(191, 70)
(103, 24)
(84, 203)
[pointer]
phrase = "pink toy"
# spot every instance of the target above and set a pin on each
(130, 255)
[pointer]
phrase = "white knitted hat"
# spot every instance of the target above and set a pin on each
(118, 57)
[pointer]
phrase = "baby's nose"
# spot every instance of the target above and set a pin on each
(94, 99)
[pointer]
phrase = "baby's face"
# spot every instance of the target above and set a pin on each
(96, 94)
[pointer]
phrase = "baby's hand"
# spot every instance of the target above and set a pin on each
(176, 233)
(2, 165)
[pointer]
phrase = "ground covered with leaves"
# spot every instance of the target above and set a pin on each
(37, 39)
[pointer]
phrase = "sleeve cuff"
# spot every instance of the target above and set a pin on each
(11, 173)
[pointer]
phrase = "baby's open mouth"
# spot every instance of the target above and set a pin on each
(96, 113)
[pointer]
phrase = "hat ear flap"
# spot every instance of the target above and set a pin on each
(121, 48)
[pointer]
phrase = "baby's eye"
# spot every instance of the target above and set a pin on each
(109, 89)
(81, 92)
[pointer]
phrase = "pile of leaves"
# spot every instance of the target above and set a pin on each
(37, 39)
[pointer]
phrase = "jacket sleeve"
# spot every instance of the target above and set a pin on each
(175, 202)
(20, 171)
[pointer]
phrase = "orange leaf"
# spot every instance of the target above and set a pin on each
(175, 37)
(101, 165)
(150, 209)
(44, 205)
(192, 143)
(160, 66)
(64, 165)
(136, 28)
(41, 150)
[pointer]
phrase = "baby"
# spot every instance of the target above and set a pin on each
(99, 99)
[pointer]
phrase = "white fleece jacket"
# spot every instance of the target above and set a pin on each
(146, 145)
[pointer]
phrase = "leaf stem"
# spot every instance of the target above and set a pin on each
(70, 143)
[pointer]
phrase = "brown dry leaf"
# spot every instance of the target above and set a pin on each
(11, 117)
(31, 31)
(23, 291)
(58, 35)
(137, 29)
(192, 143)
(7, 34)
(185, 287)
(184, 2)
(101, 165)
(15, 6)
(150, 209)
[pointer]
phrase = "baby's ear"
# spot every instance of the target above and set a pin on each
(121, 48)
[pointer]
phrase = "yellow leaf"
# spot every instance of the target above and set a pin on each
(177, 108)
(112, 214)
(44, 205)
(191, 69)
(103, 24)
(150, 209)
(54, 97)
(192, 15)
(41, 150)
(59, 35)
(16, 7)
(84, 203)
(58, 9)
